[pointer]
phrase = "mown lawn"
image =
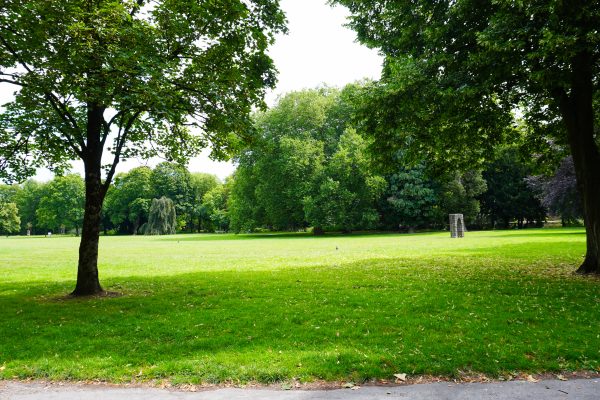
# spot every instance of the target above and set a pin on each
(226, 308)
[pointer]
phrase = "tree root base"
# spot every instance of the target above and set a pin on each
(588, 269)
(100, 294)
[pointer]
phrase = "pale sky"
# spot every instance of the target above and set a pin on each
(318, 50)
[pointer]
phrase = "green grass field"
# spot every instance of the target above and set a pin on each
(226, 308)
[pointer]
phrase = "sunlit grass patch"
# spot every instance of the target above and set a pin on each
(225, 308)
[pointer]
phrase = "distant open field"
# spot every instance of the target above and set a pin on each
(227, 308)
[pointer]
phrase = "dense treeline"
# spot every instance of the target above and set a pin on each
(129, 199)
(308, 168)
(57, 206)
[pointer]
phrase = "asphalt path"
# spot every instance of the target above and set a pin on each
(585, 389)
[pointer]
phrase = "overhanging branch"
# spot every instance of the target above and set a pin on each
(121, 139)
(59, 107)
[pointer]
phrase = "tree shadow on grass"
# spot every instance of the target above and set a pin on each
(358, 320)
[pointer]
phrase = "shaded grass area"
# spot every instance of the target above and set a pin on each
(207, 309)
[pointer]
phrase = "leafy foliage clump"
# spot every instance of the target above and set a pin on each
(9, 218)
(162, 219)
(559, 194)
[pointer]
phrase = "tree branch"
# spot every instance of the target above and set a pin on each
(121, 139)
(72, 144)
(65, 118)
(136, 7)
(68, 115)
(12, 82)
(57, 105)
(107, 125)
(117, 115)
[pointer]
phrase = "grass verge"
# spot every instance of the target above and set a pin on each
(223, 308)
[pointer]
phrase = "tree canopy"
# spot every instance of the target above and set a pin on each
(162, 219)
(128, 199)
(456, 72)
(308, 167)
(9, 218)
(139, 73)
(113, 79)
(61, 204)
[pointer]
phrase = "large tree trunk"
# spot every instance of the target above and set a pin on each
(578, 114)
(87, 271)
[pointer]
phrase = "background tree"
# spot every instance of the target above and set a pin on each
(289, 155)
(458, 193)
(128, 200)
(9, 193)
(307, 167)
(455, 70)
(162, 218)
(559, 194)
(61, 204)
(200, 183)
(215, 202)
(346, 197)
(509, 197)
(245, 214)
(174, 182)
(286, 176)
(9, 218)
(409, 199)
(28, 201)
(277, 170)
(121, 78)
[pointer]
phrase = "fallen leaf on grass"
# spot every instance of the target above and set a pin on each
(400, 377)
(2, 368)
(189, 388)
(530, 378)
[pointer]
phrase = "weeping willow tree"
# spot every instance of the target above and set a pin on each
(162, 218)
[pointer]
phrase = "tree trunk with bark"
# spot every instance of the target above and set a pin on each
(87, 271)
(578, 115)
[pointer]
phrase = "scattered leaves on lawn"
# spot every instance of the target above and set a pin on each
(400, 377)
